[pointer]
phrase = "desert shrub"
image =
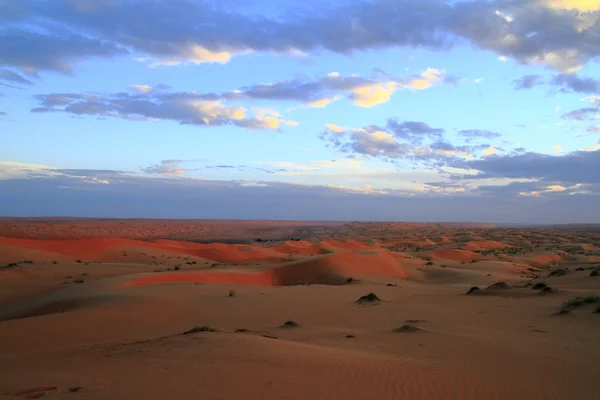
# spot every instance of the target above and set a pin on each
(558, 272)
(78, 281)
(290, 324)
(231, 293)
(78, 261)
(54, 262)
(177, 268)
(406, 328)
(368, 298)
(349, 280)
(429, 263)
(595, 272)
(203, 328)
(572, 304)
(473, 289)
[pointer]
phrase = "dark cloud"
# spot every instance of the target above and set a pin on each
(528, 82)
(51, 47)
(594, 129)
(573, 83)
(582, 114)
(3, 113)
(184, 29)
(11, 76)
(114, 195)
(413, 132)
(184, 107)
(572, 168)
(564, 83)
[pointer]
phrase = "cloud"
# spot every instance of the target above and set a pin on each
(414, 132)
(166, 167)
(592, 99)
(182, 107)
(11, 76)
(592, 148)
(563, 83)
(335, 128)
(51, 47)
(81, 193)
(141, 88)
(478, 80)
(557, 148)
(363, 92)
(581, 5)
(594, 129)
(409, 140)
(571, 168)
(474, 134)
(53, 35)
(582, 114)
(489, 151)
(573, 83)
(527, 81)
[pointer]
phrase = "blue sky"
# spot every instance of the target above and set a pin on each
(361, 107)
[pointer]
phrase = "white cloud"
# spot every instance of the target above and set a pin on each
(141, 88)
(335, 128)
(592, 99)
(16, 170)
(580, 5)
(489, 151)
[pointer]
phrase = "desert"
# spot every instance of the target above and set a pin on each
(135, 309)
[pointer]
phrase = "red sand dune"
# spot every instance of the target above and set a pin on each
(330, 269)
(333, 269)
(456, 255)
(105, 249)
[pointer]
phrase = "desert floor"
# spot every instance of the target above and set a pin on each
(260, 310)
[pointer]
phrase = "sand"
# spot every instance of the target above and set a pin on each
(111, 325)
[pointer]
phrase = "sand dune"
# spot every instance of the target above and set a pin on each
(456, 255)
(113, 328)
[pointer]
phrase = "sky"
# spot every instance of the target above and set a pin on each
(352, 110)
